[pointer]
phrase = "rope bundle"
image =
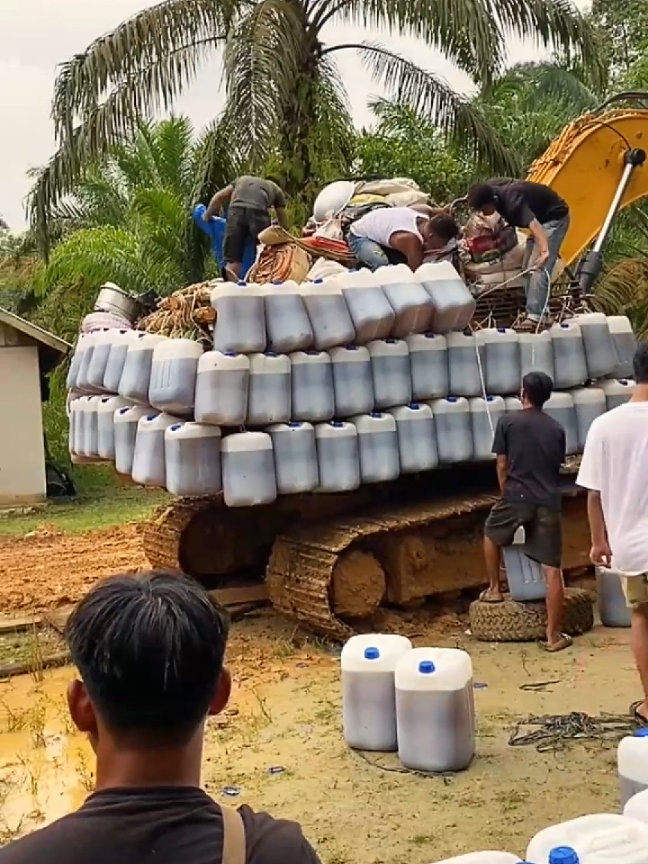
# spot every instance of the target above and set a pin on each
(184, 314)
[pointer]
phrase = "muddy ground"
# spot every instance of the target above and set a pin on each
(285, 714)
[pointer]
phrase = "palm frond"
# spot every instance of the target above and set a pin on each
(262, 64)
(623, 290)
(456, 117)
(169, 37)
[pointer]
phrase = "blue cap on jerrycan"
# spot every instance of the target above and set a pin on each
(426, 667)
(641, 733)
(371, 654)
(563, 855)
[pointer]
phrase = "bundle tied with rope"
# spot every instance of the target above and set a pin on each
(185, 314)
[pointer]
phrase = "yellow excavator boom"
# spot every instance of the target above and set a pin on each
(585, 166)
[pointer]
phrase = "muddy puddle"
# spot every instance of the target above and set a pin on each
(45, 765)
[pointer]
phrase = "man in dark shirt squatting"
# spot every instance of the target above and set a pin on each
(545, 215)
(149, 651)
(530, 449)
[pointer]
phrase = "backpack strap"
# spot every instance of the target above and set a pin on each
(233, 836)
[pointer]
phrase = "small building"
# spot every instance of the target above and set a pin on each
(27, 355)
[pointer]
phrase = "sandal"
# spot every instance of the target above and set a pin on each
(565, 641)
(636, 715)
(487, 597)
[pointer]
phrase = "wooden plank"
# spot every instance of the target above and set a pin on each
(240, 594)
(19, 623)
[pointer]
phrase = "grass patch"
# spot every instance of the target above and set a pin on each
(93, 509)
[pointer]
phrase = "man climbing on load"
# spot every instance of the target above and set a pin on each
(391, 234)
(538, 209)
(248, 201)
(530, 449)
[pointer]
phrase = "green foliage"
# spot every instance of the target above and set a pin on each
(284, 94)
(128, 219)
(405, 145)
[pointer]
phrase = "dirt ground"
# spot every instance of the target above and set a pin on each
(285, 716)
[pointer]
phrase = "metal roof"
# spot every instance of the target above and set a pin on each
(34, 332)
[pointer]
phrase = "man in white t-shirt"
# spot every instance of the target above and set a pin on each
(614, 470)
(402, 229)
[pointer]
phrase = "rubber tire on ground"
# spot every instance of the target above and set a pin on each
(511, 621)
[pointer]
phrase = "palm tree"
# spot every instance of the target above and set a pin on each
(284, 93)
(129, 218)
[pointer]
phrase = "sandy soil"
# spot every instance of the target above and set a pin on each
(285, 713)
(47, 568)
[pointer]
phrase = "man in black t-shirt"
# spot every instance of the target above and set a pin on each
(542, 212)
(530, 449)
(149, 650)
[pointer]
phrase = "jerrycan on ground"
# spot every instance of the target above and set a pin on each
(600, 352)
(625, 343)
(596, 839)
(247, 464)
(453, 304)
(352, 380)
(240, 318)
(149, 463)
(637, 807)
(417, 447)
(295, 457)
(483, 858)
(222, 385)
(328, 313)
(369, 308)
(287, 323)
(524, 576)
(368, 662)
(463, 366)
(612, 605)
(452, 421)
(408, 298)
(570, 366)
(632, 764)
(312, 396)
(435, 710)
(377, 447)
(192, 459)
(391, 374)
(429, 365)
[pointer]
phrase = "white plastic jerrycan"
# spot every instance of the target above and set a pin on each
(601, 838)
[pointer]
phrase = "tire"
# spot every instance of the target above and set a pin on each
(511, 621)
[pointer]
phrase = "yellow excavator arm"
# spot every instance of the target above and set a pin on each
(598, 165)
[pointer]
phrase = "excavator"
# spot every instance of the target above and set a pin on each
(331, 562)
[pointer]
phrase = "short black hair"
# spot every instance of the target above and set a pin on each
(640, 363)
(537, 387)
(149, 649)
(445, 226)
(481, 195)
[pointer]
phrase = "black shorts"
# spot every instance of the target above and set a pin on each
(542, 529)
(243, 224)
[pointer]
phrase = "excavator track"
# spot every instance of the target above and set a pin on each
(162, 533)
(300, 573)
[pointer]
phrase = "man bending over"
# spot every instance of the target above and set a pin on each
(530, 449)
(402, 230)
(614, 470)
(149, 650)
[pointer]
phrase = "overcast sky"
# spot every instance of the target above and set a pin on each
(36, 35)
